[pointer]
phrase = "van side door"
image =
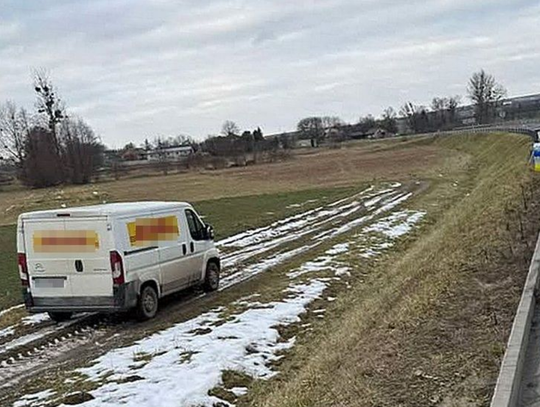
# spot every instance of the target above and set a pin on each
(197, 244)
(175, 275)
(140, 261)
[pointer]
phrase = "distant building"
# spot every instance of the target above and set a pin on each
(521, 107)
(303, 143)
(134, 154)
(377, 133)
(170, 153)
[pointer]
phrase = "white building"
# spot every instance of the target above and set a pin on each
(170, 153)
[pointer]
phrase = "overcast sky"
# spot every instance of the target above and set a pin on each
(134, 69)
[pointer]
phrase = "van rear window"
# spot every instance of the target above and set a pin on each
(62, 241)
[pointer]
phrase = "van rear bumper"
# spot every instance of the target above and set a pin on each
(124, 298)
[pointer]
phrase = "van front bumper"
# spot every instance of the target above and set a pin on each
(124, 298)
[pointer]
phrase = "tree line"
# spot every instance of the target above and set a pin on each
(47, 145)
(483, 91)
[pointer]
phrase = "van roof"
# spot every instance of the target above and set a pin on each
(112, 209)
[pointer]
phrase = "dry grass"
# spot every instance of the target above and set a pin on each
(428, 327)
(324, 168)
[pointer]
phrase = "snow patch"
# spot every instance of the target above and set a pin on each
(31, 400)
(10, 330)
(397, 224)
(36, 319)
(247, 342)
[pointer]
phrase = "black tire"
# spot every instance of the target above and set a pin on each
(147, 305)
(60, 316)
(211, 278)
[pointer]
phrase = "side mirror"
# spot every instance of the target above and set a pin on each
(209, 232)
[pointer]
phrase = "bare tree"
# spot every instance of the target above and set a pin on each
(42, 166)
(48, 103)
(230, 128)
(183, 140)
(484, 91)
(332, 121)
(453, 103)
(312, 128)
(258, 134)
(439, 107)
(439, 104)
(366, 123)
(82, 151)
(416, 116)
(388, 121)
(14, 127)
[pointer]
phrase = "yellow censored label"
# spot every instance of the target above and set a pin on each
(62, 241)
(146, 232)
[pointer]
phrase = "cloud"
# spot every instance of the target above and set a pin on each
(137, 68)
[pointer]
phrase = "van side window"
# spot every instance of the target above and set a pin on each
(196, 228)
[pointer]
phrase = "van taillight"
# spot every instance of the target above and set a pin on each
(23, 269)
(117, 268)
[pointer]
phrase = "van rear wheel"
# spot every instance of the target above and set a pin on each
(211, 279)
(60, 316)
(147, 306)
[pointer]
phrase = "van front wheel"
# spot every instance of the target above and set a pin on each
(211, 279)
(60, 316)
(147, 305)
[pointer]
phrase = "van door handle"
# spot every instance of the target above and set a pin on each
(191, 247)
(184, 249)
(79, 265)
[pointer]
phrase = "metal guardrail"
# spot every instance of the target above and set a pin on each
(532, 131)
(509, 382)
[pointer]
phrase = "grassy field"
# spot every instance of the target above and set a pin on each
(355, 163)
(10, 288)
(428, 327)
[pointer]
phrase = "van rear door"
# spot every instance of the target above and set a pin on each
(68, 257)
(89, 265)
(47, 269)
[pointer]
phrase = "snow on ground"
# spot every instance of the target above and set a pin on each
(397, 224)
(34, 399)
(242, 273)
(23, 340)
(10, 330)
(299, 205)
(40, 333)
(179, 365)
(391, 228)
(189, 357)
(296, 222)
(36, 319)
(239, 391)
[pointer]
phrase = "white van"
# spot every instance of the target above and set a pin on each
(113, 257)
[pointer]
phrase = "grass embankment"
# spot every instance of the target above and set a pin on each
(428, 326)
(227, 215)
